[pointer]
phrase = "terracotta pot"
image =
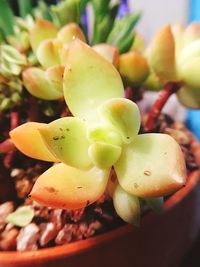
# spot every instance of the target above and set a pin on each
(162, 240)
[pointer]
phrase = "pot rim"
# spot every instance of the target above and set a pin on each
(82, 245)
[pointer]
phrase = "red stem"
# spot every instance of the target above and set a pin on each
(157, 107)
(14, 120)
(6, 146)
(33, 109)
(8, 159)
(129, 93)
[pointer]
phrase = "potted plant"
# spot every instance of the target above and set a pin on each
(102, 134)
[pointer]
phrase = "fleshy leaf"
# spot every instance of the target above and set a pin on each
(152, 165)
(189, 72)
(103, 133)
(10, 68)
(192, 33)
(127, 206)
(66, 138)
(189, 97)
(133, 67)
(69, 32)
(21, 217)
(65, 187)
(28, 140)
(162, 54)
(123, 115)
(188, 53)
(55, 76)
(82, 93)
(12, 55)
(48, 52)
(109, 52)
(153, 83)
(41, 31)
(37, 83)
(178, 34)
(104, 155)
(155, 203)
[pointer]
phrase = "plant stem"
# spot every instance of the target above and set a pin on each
(157, 107)
(33, 112)
(6, 146)
(129, 93)
(133, 94)
(14, 120)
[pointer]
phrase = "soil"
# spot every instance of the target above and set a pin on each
(51, 227)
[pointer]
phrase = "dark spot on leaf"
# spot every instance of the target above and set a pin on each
(165, 153)
(79, 187)
(61, 148)
(62, 137)
(61, 129)
(56, 138)
(67, 129)
(127, 137)
(148, 173)
(136, 185)
(51, 189)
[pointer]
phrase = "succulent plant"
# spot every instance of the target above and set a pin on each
(103, 134)
(173, 57)
(33, 45)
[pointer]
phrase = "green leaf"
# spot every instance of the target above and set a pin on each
(104, 18)
(25, 7)
(66, 139)
(21, 217)
(12, 55)
(155, 203)
(42, 11)
(89, 80)
(103, 133)
(6, 17)
(189, 72)
(152, 165)
(55, 76)
(123, 115)
(67, 11)
(189, 97)
(189, 52)
(122, 29)
(9, 68)
(41, 31)
(104, 155)
(162, 55)
(40, 85)
(127, 206)
(48, 52)
(126, 43)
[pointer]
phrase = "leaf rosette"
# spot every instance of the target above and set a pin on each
(103, 134)
(173, 56)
